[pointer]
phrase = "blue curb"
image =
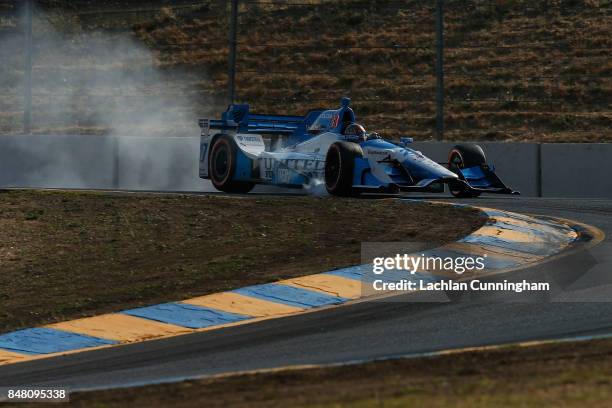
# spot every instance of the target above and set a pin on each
(353, 272)
(496, 213)
(534, 248)
(182, 314)
(290, 295)
(519, 228)
(42, 340)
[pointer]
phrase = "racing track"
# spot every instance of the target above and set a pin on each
(362, 330)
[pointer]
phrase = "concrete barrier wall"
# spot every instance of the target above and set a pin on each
(577, 170)
(66, 161)
(105, 162)
(171, 164)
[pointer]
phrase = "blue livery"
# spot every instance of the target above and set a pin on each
(330, 147)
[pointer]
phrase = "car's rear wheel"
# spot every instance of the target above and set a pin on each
(222, 166)
(464, 156)
(339, 168)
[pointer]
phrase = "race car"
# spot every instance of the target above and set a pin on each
(243, 149)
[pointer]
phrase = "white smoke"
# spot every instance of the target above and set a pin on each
(109, 82)
(316, 187)
(99, 85)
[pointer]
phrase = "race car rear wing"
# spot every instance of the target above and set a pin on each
(238, 118)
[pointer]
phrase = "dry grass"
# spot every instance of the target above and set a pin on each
(515, 70)
(567, 375)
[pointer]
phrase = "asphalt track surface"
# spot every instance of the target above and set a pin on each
(368, 329)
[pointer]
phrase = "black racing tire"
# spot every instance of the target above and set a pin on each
(339, 168)
(222, 166)
(461, 156)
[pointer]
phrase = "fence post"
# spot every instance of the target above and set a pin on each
(115, 149)
(27, 108)
(232, 53)
(439, 69)
(539, 170)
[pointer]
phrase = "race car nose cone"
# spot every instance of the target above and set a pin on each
(428, 169)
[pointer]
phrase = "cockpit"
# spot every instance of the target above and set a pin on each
(357, 133)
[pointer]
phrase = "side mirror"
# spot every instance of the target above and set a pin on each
(406, 140)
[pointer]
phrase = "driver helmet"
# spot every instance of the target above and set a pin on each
(355, 131)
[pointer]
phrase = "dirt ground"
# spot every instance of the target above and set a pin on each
(72, 254)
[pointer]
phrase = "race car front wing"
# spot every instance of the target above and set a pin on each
(480, 179)
(484, 180)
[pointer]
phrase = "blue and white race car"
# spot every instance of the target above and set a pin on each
(243, 149)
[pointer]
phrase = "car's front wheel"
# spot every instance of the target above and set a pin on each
(339, 168)
(463, 156)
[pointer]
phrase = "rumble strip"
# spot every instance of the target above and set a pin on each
(502, 238)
